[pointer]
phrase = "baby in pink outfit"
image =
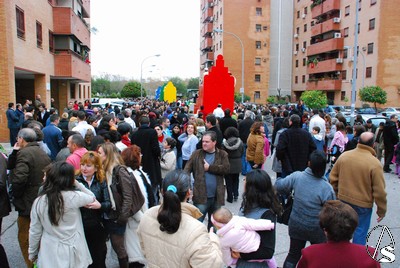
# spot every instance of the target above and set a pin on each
(239, 234)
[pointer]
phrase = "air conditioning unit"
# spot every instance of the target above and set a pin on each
(336, 20)
(295, 52)
(211, 4)
(337, 35)
(339, 60)
(296, 35)
(351, 59)
(303, 49)
(304, 16)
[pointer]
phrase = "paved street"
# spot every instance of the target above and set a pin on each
(392, 220)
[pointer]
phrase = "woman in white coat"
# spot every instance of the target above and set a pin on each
(56, 222)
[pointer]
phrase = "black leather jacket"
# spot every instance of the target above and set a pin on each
(93, 217)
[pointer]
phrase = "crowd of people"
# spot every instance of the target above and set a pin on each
(145, 176)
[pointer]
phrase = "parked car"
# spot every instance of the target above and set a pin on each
(368, 110)
(376, 119)
(390, 110)
(330, 109)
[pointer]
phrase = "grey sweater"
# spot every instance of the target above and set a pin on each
(310, 194)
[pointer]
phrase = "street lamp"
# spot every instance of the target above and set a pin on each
(241, 44)
(141, 73)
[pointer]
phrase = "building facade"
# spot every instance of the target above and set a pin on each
(323, 48)
(45, 47)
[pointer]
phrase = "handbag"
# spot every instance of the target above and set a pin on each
(287, 205)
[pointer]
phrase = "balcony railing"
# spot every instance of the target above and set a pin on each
(325, 84)
(325, 46)
(326, 26)
(206, 43)
(326, 6)
(69, 64)
(66, 22)
(207, 28)
(206, 57)
(324, 66)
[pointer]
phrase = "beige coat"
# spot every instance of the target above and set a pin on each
(255, 149)
(191, 246)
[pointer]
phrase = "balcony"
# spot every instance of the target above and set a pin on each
(207, 28)
(206, 3)
(324, 67)
(86, 6)
(66, 22)
(206, 43)
(325, 46)
(208, 56)
(69, 65)
(326, 6)
(325, 27)
(324, 85)
(207, 14)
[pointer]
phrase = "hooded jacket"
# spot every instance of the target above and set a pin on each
(235, 149)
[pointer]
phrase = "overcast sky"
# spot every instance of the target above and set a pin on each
(131, 30)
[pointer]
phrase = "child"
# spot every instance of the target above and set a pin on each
(239, 234)
(397, 156)
(168, 157)
(317, 138)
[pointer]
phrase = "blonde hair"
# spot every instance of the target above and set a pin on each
(113, 157)
(93, 158)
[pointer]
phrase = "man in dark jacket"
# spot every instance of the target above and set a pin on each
(227, 121)
(13, 123)
(390, 139)
(147, 139)
(26, 178)
(294, 147)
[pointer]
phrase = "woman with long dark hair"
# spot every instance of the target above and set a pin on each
(92, 176)
(259, 202)
(56, 222)
(311, 191)
(171, 235)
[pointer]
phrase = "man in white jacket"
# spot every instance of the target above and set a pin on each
(317, 121)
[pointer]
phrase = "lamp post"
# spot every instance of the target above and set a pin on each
(141, 73)
(241, 44)
(353, 85)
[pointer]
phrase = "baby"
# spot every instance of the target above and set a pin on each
(239, 234)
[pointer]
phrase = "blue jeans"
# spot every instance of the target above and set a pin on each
(208, 208)
(364, 221)
(245, 165)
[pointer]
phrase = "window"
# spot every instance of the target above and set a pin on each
(303, 79)
(258, 11)
(368, 72)
(370, 48)
(51, 41)
(305, 27)
(296, 79)
(312, 23)
(372, 24)
(258, 44)
(220, 11)
(305, 10)
(373, 2)
(257, 78)
(345, 53)
(257, 95)
(342, 95)
(304, 44)
(20, 17)
(359, 26)
(298, 14)
(359, 5)
(298, 30)
(344, 75)
(346, 32)
(297, 63)
(39, 36)
(297, 47)
(304, 61)
(257, 61)
(347, 11)
(258, 27)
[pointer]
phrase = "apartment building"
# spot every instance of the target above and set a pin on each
(44, 50)
(240, 25)
(323, 48)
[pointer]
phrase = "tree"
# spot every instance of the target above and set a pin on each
(238, 98)
(373, 94)
(314, 99)
(193, 83)
(132, 90)
(100, 86)
(271, 99)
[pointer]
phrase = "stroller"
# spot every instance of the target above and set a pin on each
(333, 156)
